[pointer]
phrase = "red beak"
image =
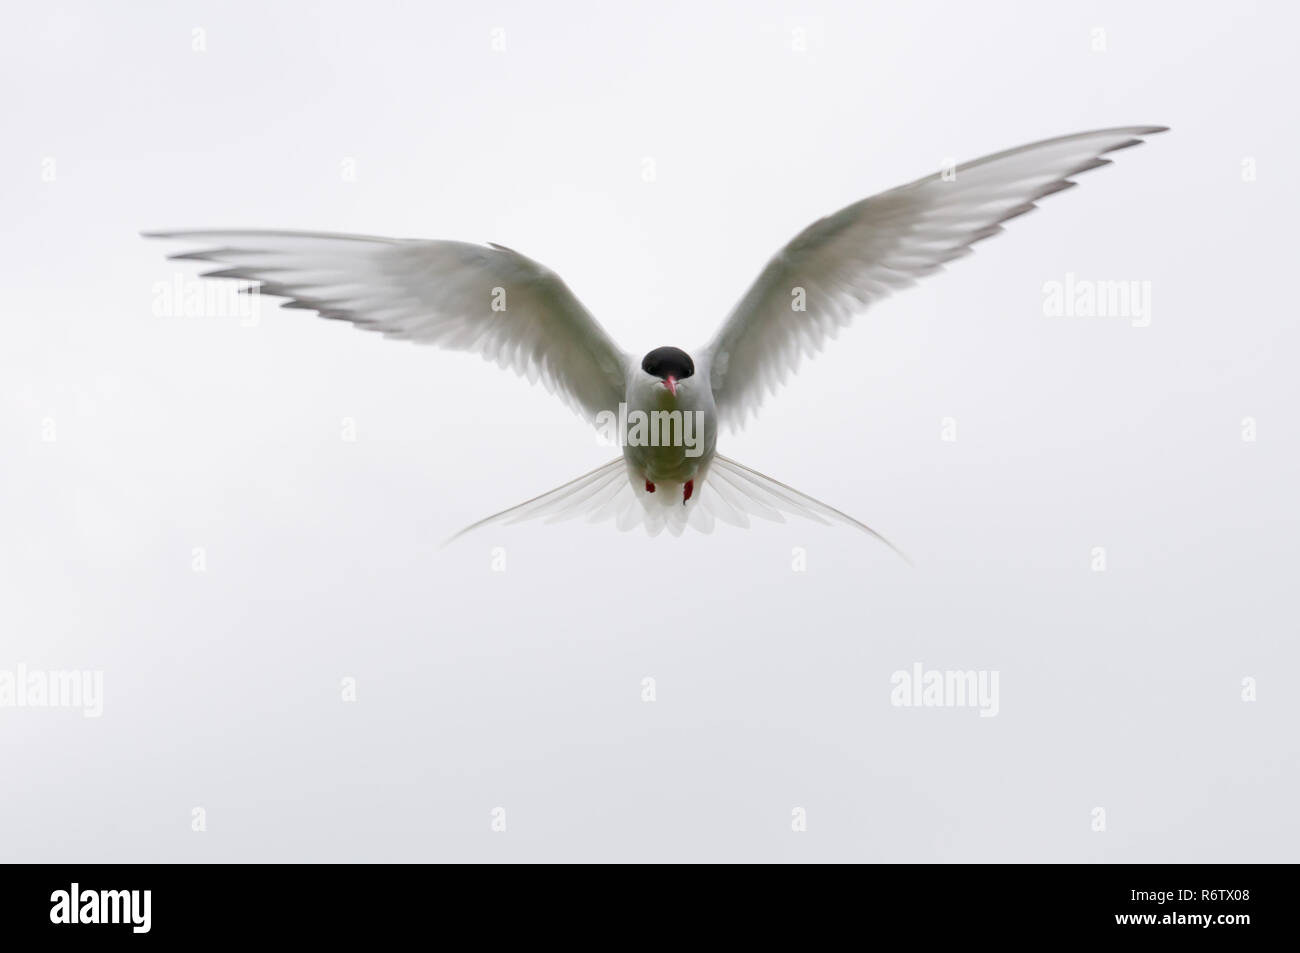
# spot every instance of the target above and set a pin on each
(671, 383)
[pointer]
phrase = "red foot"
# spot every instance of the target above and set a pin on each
(687, 490)
(649, 487)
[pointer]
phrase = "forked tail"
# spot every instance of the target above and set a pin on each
(725, 491)
(575, 498)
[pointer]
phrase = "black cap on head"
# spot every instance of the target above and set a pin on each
(665, 362)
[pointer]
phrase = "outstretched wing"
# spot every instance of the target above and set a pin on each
(482, 298)
(860, 254)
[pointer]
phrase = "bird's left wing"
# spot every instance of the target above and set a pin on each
(840, 264)
(482, 298)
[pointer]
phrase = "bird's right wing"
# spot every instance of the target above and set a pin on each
(846, 261)
(486, 299)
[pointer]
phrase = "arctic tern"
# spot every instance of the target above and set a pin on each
(508, 308)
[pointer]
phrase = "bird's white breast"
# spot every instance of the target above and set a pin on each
(690, 418)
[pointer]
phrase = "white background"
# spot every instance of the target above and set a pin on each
(479, 689)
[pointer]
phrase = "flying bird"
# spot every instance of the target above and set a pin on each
(492, 300)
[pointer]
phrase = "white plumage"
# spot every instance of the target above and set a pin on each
(848, 260)
(493, 301)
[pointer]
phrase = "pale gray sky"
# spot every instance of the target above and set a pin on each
(133, 439)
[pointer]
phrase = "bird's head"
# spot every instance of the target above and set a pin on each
(669, 366)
